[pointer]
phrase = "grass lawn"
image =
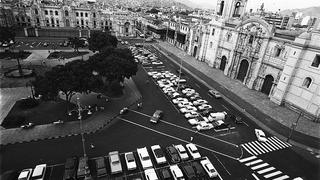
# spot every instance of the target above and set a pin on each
(66, 55)
(9, 55)
(45, 113)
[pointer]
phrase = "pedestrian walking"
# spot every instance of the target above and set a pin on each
(191, 139)
(92, 146)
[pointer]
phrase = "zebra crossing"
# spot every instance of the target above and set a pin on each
(263, 169)
(272, 144)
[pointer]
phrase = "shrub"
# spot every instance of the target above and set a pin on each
(28, 103)
(13, 121)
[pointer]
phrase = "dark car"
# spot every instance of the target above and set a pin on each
(101, 167)
(236, 119)
(173, 154)
(165, 174)
(207, 112)
(188, 171)
(198, 169)
(70, 168)
(180, 72)
(82, 171)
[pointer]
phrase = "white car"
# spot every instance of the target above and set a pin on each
(157, 63)
(204, 126)
(192, 94)
(158, 154)
(193, 151)
(178, 100)
(152, 73)
(188, 90)
(199, 102)
(25, 174)
(208, 167)
(193, 122)
(182, 152)
(188, 109)
(150, 174)
(204, 107)
(176, 172)
(174, 95)
(184, 104)
(144, 158)
(191, 115)
(260, 135)
(168, 90)
(165, 84)
(214, 93)
(130, 161)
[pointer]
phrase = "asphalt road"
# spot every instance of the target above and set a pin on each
(133, 130)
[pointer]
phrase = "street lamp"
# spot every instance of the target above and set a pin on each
(80, 110)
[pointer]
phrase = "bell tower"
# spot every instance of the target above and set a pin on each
(231, 8)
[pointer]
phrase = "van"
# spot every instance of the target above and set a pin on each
(217, 116)
(39, 172)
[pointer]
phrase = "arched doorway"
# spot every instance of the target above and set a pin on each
(267, 84)
(126, 26)
(243, 70)
(195, 51)
(223, 63)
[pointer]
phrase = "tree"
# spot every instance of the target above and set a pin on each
(6, 34)
(153, 11)
(18, 56)
(46, 87)
(75, 43)
(99, 40)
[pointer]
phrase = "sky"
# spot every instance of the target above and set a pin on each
(270, 5)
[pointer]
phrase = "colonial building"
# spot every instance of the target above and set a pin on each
(63, 19)
(283, 65)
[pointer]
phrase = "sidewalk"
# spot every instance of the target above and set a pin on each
(251, 101)
(94, 123)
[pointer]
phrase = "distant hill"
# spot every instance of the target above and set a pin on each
(148, 3)
(311, 11)
(196, 5)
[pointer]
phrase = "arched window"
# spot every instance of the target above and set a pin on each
(66, 13)
(221, 8)
(68, 23)
(56, 12)
(237, 10)
(307, 82)
(46, 12)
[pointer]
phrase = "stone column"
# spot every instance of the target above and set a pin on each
(36, 31)
(25, 32)
(80, 33)
(271, 91)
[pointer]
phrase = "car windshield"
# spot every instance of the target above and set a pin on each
(145, 158)
(158, 153)
(130, 157)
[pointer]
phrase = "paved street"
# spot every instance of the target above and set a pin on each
(235, 153)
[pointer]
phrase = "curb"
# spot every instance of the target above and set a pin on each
(248, 115)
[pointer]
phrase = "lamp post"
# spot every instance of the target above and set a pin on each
(80, 110)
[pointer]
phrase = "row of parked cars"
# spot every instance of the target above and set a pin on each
(144, 56)
(196, 110)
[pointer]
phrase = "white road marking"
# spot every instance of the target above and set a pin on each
(282, 177)
(222, 166)
(258, 150)
(245, 123)
(255, 176)
(161, 120)
(281, 142)
(173, 137)
(266, 170)
(253, 162)
(247, 159)
(244, 146)
(272, 174)
(197, 85)
(275, 143)
(262, 147)
(251, 148)
(259, 166)
(225, 107)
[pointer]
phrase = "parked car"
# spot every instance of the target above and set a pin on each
(207, 112)
(101, 167)
(193, 151)
(191, 115)
(39, 172)
(27, 126)
(179, 100)
(198, 169)
(173, 154)
(188, 109)
(70, 168)
(209, 168)
(260, 135)
(130, 161)
(188, 90)
(173, 95)
(25, 174)
(165, 174)
(176, 172)
(158, 154)
(194, 97)
(193, 121)
(236, 119)
(204, 126)
(115, 163)
(156, 116)
(188, 171)
(182, 152)
(144, 158)
(204, 107)
(199, 102)
(217, 116)
(184, 104)
(214, 93)
(150, 174)
(124, 110)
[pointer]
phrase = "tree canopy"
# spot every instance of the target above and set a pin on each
(99, 40)
(76, 43)
(6, 34)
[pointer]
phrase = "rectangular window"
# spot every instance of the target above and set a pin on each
(316, 61)
(46, 12)
(278, 52)
(77, 14)
(213, 30)
(51, 12)
(56, 13)
(94, 15)
(81, 14)
(86, 14)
